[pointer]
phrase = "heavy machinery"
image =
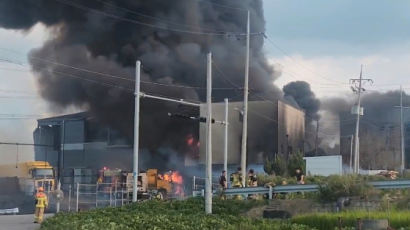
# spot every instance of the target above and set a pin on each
(151, 184)
(28, 176)
(19, 182)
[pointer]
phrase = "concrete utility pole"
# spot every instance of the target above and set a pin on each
(401, 130)
(245, 103)
(226, 135)
(208, 179)
(358, 90)
(317, 137)
(136, 129)
(351, 153)
(402, 148)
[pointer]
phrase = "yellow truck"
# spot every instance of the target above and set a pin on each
(151, 184)
(30, 175)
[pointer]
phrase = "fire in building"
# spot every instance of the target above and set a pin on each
(80, 141)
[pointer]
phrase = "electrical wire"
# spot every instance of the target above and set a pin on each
(113, 16)
(298, 63)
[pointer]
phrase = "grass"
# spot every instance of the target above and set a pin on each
(155, 215)
(326, 221)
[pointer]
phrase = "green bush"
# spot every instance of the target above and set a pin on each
(184, 215)
(296, 161)
(344, 186)
(279, 165)
(276, 166)
(326, 221)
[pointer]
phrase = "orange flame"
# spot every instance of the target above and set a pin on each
(177, 180)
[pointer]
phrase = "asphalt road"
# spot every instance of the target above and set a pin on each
(19, 222)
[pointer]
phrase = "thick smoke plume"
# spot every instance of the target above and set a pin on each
(379, 129)
(301, 93)
(171, 38)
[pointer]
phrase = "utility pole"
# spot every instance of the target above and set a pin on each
(402, 148)
(358, 89)
(245, 103)
(317, 137)
(208, 178)
(226, 135)
(351, 153)
(136, 130)
(401, 130)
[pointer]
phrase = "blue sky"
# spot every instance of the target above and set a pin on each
(338, 27)
(320, 41)
(325, 42)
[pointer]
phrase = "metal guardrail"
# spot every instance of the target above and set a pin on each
(296, 188)
(391, 184)
(13, 211)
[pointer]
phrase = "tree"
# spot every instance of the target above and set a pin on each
(279, 165)
(296, 161)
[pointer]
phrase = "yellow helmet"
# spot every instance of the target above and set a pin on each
(40, 189)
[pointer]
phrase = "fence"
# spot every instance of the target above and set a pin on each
(88, 196)
(198, 183)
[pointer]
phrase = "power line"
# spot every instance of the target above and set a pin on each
(221, 5)
(167, 21)
(116, 76)
(88, 9)
(289, 56)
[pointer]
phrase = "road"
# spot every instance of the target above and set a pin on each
(19, 222)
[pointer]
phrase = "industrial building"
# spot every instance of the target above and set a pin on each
(273, 128)
(80, 141)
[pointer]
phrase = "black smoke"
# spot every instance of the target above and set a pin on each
(171, 38)
(301, 92)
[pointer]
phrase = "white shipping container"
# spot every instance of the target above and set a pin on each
(324, 165)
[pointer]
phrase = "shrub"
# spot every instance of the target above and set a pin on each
(325, 221)
(279, 165)
(296, 162)
(343, 186)
(184, 215)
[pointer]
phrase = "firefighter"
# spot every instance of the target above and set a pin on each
(252, 180)
(41, 204)
(236, 178)
(223, 184)
(236, 182)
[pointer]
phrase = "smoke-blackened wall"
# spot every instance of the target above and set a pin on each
(171, 38)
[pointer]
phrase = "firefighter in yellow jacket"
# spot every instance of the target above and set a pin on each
(236, 179)
(41, 204)
(236, 182)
